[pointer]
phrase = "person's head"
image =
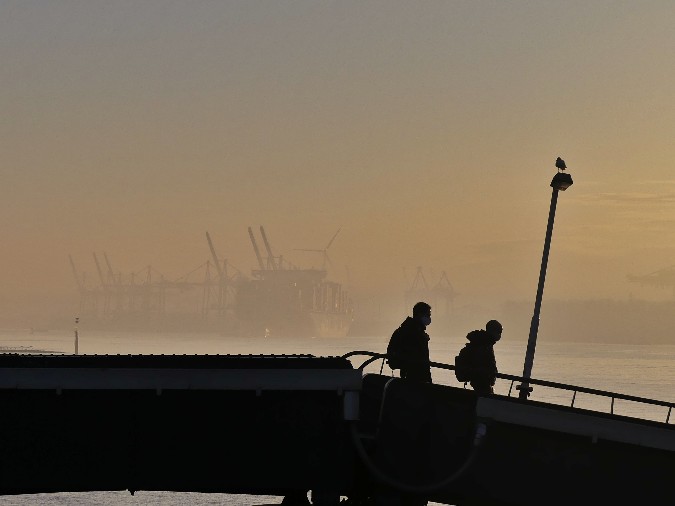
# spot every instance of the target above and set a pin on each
(494, 328)
(422, 312)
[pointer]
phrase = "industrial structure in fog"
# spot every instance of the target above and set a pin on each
(277, 298)
(148, 300)
(284, 300)
(662, 278)
(440, 296)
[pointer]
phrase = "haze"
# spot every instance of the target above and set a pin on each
(426, 132)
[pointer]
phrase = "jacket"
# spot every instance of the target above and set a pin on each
(483, 361)
(408, 349)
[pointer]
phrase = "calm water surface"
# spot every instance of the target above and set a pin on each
(640, 370)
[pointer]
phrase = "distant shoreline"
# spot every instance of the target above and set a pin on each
(628, 321)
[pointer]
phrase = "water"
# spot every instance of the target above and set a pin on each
(639, 370)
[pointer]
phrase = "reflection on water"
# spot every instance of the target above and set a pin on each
(640, 370)
(140, 498)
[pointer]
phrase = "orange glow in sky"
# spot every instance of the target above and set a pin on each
(427, 132)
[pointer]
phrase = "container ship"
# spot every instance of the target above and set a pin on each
(281, 300)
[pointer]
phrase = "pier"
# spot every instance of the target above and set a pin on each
(280, 424)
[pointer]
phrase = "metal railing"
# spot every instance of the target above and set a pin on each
(613, 396)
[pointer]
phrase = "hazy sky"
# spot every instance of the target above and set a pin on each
(427, 131)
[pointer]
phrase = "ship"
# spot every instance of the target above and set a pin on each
(283, 300)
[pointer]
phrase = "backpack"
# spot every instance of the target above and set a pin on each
(394, 350)
(464, 364)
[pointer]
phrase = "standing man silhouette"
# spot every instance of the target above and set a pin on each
(408, 348)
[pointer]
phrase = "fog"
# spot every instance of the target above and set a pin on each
(426, 136)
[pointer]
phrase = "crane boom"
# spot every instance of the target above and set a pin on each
(270, 257)
(255, 248)
(332, 239)
(111, 274)
(420, 282)
(213, 254)
(100, 272)
(80, 288)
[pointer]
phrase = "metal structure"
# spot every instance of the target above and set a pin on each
(147, 298)
(281, 299)
(661, 278)
(440, 296)
(278, 299)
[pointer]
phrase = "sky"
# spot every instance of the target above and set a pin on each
(425, 132)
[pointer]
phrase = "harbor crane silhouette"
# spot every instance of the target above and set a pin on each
(661, 278)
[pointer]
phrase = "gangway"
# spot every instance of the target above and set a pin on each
(283, 424)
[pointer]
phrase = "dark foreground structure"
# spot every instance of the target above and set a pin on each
(279, 425)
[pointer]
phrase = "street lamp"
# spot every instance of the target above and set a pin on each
(561, 181)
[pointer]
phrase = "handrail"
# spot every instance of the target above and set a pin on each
(562, 386)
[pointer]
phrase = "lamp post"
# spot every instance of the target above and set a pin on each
(561, 181)
(77, 335)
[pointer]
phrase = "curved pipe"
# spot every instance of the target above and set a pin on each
(369, 361)
(373, 357)
(380, 475)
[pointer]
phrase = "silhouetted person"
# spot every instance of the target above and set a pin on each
(482, 365)
(408, 348)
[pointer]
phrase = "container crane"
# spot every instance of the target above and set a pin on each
(661, 278)
(214, 256)
(222, 287)
(78, 282)
(270, 257)
(104, 287)
(256, 250)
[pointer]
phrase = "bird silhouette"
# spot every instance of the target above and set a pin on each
(560, 163)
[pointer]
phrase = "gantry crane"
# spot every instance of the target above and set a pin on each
(256, 250)
(221, 291)
(440, 296)
(270, 256)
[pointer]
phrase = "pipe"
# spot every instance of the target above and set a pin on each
(479, 436)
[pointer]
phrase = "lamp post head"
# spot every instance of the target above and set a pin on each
(561, 181)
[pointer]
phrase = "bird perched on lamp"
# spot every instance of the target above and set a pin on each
(560, 163)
